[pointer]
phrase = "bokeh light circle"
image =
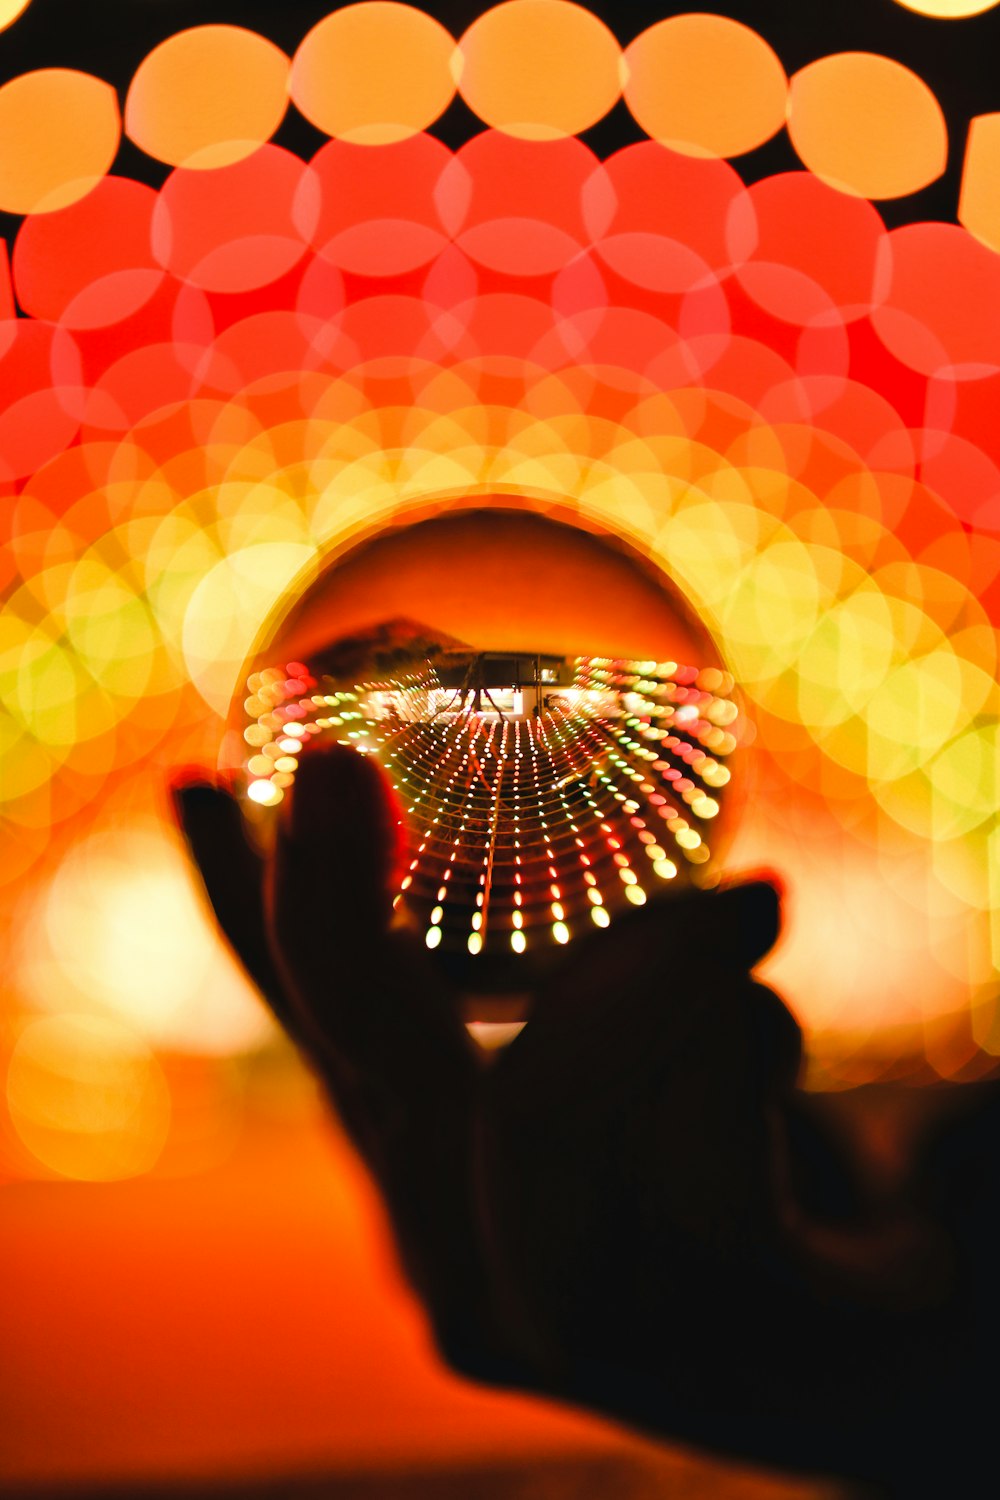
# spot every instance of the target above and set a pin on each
(88, 1098)
(539, 69)
(867, 125)
(10, 10)
(59, 133)
(705, 85)
(91, 264)
(207, 97)
(948, 10)
(374, 73)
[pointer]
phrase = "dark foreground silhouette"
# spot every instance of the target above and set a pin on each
(631, 1207)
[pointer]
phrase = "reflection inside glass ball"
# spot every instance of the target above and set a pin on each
(543, 795)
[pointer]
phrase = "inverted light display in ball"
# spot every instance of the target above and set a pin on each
(532, 786)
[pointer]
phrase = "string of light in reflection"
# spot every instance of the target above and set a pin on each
(535, 790)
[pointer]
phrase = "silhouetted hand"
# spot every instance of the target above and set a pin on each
(601, 1211)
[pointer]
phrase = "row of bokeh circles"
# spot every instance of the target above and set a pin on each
(883, 658)
(376, 73)
(806, 271)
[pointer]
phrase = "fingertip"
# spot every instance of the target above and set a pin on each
(340, 825)
(333, 785)
(210, 821)
(189, 790)
(194, 790)
(337, 790)
(767, 876)
(753, 917)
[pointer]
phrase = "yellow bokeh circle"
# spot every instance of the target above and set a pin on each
(948, 10)
(88, 1098)
(10, 10)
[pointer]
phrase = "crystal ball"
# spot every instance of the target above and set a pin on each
(550, 775)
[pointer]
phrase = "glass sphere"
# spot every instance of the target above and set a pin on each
(550, 775)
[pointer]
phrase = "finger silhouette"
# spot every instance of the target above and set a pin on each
(232, 873)
(383, 1027)
(363, 984)
(627, 996)
(645, 1078)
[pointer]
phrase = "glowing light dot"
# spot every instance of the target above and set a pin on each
(517, 919)
(475, 943)
(600, 916)
(518, 941)
(560, 932)
(867, 125)
(10, 10)
(436, 915)
(636, 895)
(948, 10)
(665, 868)
(265, 793)
(286, 763)
(688, 839)
(595, 897)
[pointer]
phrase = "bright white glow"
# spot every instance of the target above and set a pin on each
(121, 929)
(265, 793)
